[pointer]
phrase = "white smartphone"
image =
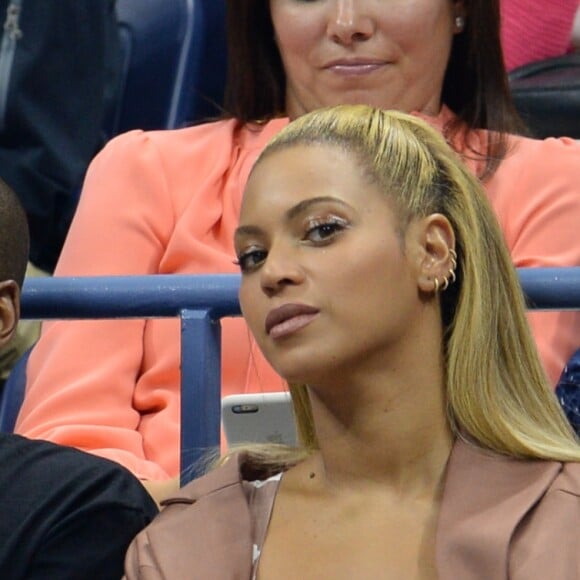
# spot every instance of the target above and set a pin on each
(259, 418)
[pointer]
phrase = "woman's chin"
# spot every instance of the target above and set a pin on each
(306, 375)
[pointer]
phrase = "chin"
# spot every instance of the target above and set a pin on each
(291, 376)
(373, 100)
(303, 364)
(303, 374)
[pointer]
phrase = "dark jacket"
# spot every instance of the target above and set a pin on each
(65, 514)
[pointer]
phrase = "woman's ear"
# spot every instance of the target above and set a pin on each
(437, 258)
(459, 16)
(9, 310)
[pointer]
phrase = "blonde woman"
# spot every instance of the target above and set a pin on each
(374, 272)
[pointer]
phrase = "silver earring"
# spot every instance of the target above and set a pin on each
(459, 23)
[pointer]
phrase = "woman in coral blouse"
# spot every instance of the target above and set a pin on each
(168, 202)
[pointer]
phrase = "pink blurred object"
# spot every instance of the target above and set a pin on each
(534, 30)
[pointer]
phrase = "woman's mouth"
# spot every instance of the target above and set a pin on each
(288, 319)
(355, 67)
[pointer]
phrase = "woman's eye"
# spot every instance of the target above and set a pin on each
(321, 231)
(249, 260)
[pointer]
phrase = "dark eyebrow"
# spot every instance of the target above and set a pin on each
(291, 213)
(247, 230)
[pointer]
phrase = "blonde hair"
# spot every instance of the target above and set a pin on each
(496, 390)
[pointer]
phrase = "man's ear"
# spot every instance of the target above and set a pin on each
(9, 310)
(436, 239)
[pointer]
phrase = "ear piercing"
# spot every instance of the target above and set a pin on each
(459, 23)
(450, 275)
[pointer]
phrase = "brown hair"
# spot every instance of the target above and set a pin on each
(475, 87)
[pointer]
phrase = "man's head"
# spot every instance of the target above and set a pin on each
(14, 244)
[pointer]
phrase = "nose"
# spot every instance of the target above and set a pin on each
(348, 22)
(279, 271)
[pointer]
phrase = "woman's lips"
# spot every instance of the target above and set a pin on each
(355, 67)
(289, 318)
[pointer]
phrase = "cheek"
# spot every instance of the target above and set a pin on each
(378, 298)
(370, 274)
(292, 46)
(415, 21)
(250, 304)
(295, 33)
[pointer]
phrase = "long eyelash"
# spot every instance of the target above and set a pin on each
(339, 224)
(328, 221)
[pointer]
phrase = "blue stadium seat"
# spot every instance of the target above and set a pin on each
(547, 96)
(209, 97)
(173, 63)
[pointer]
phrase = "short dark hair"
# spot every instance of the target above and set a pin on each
(475, 87)
(14, 237)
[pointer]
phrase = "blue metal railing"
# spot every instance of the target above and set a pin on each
(200, 301)
(551, 288)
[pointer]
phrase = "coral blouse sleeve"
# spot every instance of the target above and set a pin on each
(82, 374)
(536, 195)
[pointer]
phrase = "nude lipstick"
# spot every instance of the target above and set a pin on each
(288, 319)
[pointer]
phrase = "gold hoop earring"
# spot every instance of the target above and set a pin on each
(436, 284)
(453, 254)
(451, 273)
(445, 284)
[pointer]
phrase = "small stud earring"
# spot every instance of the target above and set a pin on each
(459, 23)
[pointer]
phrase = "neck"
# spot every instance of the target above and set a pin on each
(388, 431)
